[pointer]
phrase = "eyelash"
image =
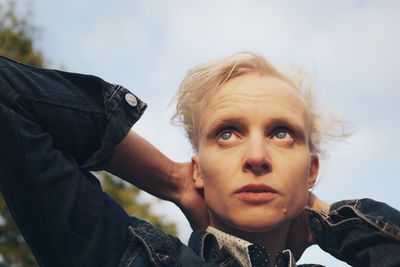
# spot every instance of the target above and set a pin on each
(232, 129)
(282, 129)
(223, 130)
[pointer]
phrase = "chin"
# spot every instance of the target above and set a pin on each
(253, 220)
(261, 225)
(251, 223)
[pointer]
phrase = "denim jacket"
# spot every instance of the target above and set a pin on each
(56, 127)
(360, 232)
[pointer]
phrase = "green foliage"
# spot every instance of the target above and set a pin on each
(13, 249)
(17, 38)
(127, 196)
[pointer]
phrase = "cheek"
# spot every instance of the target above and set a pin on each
(216, 188)
(207, 169)
(216, 165)
(297, 188)
(212, 173)
(218, 172)
(295, 168)
(298, 197)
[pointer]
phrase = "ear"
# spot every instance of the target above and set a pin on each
(198, 179)
(313, 172)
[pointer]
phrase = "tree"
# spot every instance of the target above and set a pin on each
(128, 197)
(17, 38)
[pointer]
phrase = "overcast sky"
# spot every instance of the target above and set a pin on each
(349, 47)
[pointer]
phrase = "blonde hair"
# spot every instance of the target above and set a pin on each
(203, 80)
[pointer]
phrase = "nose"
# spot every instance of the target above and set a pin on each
(256, 159)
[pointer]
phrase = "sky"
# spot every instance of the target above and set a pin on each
(349, 47)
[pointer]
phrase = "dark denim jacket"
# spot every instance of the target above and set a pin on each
(56, 127)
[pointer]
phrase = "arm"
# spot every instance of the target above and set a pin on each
(55, 128)
(360, 232)
(138, 162)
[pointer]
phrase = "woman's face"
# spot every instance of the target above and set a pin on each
(253, 160)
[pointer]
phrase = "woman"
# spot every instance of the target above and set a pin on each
(256, 142)
(256, 136)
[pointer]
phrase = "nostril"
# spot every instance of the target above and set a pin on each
(264, 167)
(248, 166)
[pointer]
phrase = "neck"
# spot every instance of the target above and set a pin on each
(273, 240)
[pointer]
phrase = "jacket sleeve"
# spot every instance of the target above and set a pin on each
(55, 127)
(361, 232)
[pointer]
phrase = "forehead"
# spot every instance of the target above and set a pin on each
(255, 96)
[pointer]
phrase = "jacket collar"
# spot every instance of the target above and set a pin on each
(159, 247)
(206, 246)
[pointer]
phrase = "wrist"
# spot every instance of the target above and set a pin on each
(180, 179)
(174, 172)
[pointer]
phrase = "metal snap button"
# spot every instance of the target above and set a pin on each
(131, 100)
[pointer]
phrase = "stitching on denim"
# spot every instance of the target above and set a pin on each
(116, 88)
(166, 239)
(357, 204)
(392, 233)
(129, 259)
(152, 253)
(149, 249)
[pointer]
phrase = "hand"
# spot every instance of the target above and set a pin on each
(138, 162)
(188, 198)
(299, 236)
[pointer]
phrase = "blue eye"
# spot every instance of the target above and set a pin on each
(226, 135)
(283, 137)
(281, 134)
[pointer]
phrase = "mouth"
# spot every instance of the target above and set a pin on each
(256, 193)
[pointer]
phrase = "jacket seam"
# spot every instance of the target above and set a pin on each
(372, 223)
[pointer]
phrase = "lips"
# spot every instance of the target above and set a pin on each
(256, 188)
(256, 193)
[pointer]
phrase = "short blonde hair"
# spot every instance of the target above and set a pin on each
(203, 80)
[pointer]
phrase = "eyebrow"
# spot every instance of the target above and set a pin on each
(217, 124)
